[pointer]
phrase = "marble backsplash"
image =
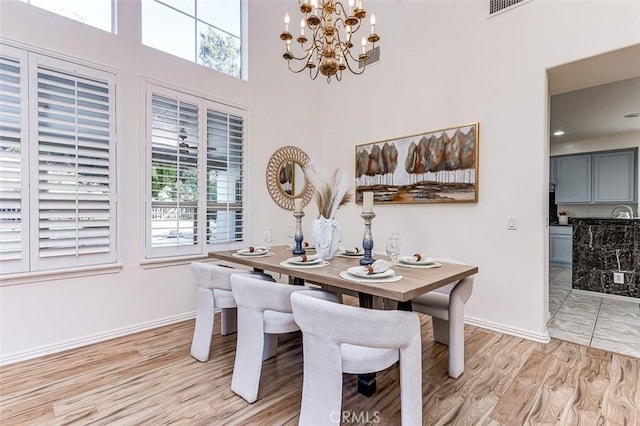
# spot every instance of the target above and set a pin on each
(602, 247)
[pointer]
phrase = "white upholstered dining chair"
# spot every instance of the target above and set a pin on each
(446, 308)
(213, 290)
(264, 311)
(339, 338)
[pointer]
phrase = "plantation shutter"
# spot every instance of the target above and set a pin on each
(225, 180)
(175, 219)
(14, 177)
(74, 201)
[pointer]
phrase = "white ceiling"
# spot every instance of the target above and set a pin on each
(596, 111)
(590, 97)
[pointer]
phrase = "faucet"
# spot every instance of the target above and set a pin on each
(618, 214)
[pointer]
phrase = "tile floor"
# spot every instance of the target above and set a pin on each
(593, 321)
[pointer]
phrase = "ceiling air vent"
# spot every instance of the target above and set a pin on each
(375, 57)
(497, 6)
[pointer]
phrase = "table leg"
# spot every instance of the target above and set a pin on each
(405, 306)
(296, 280)
(366, 382)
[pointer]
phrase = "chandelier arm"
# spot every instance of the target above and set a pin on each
(304, 66)
(339, 3)
(365, 58)
(312, 75)
(301, 58)
(352, 70)
(353, 28)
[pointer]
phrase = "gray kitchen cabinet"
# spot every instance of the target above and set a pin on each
(614, 177)
(573, 179)
(560, 245)
(605, 177)
(552, 170)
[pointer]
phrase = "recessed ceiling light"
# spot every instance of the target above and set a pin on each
(558, 133)
(633, 115)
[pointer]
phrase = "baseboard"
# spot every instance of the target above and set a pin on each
(525, 334)
(91, 339)
(605, 295)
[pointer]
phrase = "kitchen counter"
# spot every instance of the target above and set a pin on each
(601, 219)
(602, 246)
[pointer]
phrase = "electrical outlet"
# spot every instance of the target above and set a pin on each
(618, 277)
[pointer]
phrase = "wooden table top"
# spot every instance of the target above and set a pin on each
(414, 282)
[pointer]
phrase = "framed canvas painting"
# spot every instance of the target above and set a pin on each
(438, 166)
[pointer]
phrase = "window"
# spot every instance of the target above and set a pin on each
(195, 183)
(57, 164)
(202, 31)
(97, 13)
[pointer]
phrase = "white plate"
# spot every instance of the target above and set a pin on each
(352, 253)
(361, 272)
(304, 265)
(258, 251)
(411, 260)
(347, 276)
(311, 260)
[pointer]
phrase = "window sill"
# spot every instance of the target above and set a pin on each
(163, 262)
(34, 277)
(170, 261)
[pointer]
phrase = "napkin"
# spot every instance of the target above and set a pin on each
(305, 245)
(417, 257)
(380, 266)
(255, 248)
(355, 250)
(306, 258)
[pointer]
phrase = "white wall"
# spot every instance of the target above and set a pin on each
(36, 317)
(443, 64)
(617, 141)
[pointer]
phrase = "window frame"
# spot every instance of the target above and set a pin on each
(34, 267)
(202, 247)
(22, 265)
(113, 19)
(242, 36)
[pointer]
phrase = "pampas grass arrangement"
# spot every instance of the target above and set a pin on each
(333, 194)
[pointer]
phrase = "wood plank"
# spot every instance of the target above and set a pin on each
(559, 386)
(623, 394)
(589, 405)
(518, 399)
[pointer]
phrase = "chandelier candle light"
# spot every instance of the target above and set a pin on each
(298, 214)
(368, 215)
(332, 28)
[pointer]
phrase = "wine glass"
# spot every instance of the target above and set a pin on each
(393, 247)
(268, 238)
(291, 233)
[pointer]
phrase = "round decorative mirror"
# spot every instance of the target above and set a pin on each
(286, 177)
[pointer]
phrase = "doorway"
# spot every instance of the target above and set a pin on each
(578, 91)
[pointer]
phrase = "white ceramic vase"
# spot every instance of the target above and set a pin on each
(326, 233)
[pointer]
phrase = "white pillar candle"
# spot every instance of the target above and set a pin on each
(367, 202)
(297, 202)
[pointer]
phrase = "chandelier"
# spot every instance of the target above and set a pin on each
(332, 28)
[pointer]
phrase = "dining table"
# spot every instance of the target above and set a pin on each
(408, 281)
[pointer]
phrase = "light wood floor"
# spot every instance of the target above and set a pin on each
(149, 378)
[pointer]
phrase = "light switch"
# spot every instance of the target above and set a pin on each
(512, 223)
